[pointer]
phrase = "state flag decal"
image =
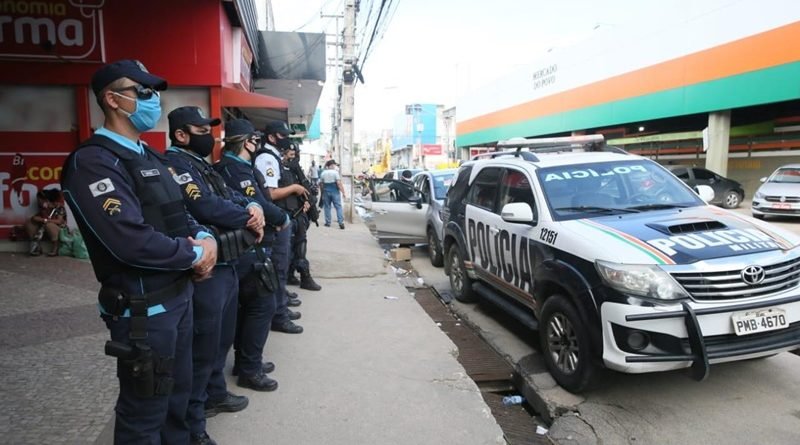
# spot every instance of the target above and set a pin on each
(112, 206)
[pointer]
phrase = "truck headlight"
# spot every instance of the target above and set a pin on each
(644, 280)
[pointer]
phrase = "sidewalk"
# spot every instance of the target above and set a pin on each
(367, 370)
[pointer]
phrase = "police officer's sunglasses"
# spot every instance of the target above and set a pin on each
(143, 93)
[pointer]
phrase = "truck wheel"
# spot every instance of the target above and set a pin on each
(434, 250)
(565, 345)
(460, 283)
(731, 199)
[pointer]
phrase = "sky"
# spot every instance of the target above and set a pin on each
(435, 51)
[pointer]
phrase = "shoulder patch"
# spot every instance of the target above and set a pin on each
(101, 187)
(182, 179)
(112, 206)
(270, 172)
(150, 173)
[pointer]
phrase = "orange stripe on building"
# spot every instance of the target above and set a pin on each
(764, 50)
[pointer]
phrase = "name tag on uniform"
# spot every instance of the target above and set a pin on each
(101, 187)
(150, 173)
(183, 179)
(245, 183)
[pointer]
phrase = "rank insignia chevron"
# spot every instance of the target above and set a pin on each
(250, 190)
(112, 206)
(192, 191)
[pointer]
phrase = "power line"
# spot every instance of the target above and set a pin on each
(316, 16)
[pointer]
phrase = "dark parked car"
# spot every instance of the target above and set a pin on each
(727, 192)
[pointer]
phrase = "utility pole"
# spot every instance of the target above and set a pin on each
(348, 101)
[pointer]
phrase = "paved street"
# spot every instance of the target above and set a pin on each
(366, 370)
(750, 402)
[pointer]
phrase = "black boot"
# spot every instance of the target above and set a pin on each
(292, 279)
(308, 283)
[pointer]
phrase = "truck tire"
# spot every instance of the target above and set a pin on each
(460, 283)
(565, 345)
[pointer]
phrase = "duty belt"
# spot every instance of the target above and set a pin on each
(115, 302)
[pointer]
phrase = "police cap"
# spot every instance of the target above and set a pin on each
(132, 69)
(183, 116)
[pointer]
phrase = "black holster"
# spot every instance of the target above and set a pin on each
(150, 374)
(231, 244)
(267, 275)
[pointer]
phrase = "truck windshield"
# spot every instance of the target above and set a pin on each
(578, 191)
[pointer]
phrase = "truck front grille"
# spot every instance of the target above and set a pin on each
(729, 284)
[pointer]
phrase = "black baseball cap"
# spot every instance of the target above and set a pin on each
(132, 69)
(240, 127)
(183, 116)
(330, 162)
(278, 127)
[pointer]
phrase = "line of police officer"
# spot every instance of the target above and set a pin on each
(192, 257)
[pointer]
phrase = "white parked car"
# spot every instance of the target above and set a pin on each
(779, 195)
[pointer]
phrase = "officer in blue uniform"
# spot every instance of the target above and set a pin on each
(258, 278)
(144, 249)
(237, 222)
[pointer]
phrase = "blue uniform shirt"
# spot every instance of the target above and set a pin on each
(100, 193)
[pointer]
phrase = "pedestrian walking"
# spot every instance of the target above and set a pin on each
(238, 223)
(331, 187)
(313, 173)
(258, 283)
(144, 248)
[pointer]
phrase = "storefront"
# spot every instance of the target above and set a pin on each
(49, 49)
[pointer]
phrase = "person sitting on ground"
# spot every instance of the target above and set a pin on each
(49, 219)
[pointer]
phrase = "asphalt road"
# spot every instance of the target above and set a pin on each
(749, 402)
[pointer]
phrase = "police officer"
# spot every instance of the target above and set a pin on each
(292, 171)
(268, 162)
(144, 248)
(238, 222)
(258, 278)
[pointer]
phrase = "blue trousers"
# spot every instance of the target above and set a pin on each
(335, 199)
(280, 259)
(214, 328)
(256, 310)
(157, 419)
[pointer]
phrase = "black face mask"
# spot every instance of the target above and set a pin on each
(283, 144)
(202, 144)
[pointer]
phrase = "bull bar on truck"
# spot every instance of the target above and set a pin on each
(701, 353)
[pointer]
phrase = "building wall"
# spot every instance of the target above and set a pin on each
(721, 56)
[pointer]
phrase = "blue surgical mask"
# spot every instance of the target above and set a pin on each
(147, 114)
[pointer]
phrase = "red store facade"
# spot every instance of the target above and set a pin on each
(207, 50)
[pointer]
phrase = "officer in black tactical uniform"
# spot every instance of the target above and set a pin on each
(293, 174)
(258, 278)
(238, 223)
(144, 247)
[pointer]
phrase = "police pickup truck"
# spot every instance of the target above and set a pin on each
(617, 262)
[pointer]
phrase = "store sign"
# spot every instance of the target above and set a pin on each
(243, 60)
(431, 149)
(21, 178)
(52, 29)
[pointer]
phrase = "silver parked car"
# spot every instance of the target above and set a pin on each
(410, 212)
(779, 194)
